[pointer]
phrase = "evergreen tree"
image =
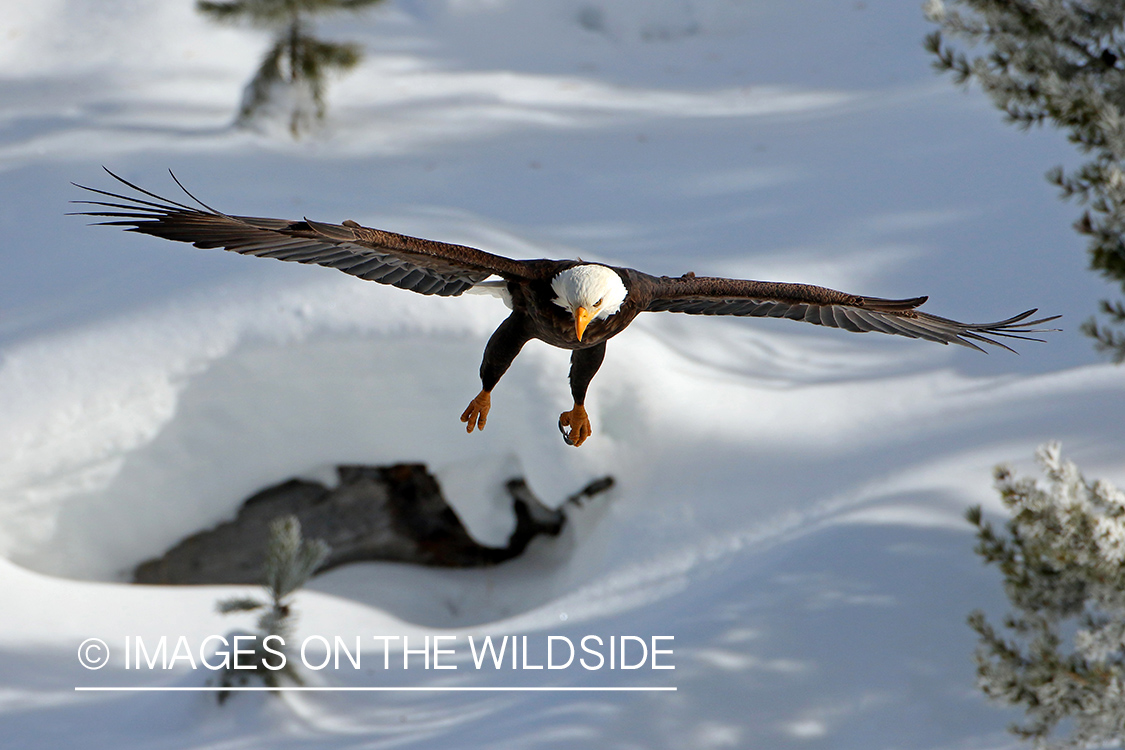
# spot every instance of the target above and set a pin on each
(1063, 562)
(290, 562)
(293, 73)
(1063, 62)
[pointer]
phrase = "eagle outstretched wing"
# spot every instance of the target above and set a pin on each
(423, 266)
(828, 307)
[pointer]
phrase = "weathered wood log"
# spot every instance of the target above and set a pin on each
(389, 513)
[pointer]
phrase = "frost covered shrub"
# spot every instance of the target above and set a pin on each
(291, 80)
(1060, 61)
(290, 562)
(1063, 561)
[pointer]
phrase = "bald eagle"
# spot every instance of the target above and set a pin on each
(566, 303)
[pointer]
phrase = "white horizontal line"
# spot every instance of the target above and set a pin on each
(448, 689)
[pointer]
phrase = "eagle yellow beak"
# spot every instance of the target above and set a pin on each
(581, 320)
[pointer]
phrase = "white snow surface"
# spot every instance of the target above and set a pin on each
(789, 499)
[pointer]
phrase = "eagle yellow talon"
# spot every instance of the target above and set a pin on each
(578, 423)
(476, 413)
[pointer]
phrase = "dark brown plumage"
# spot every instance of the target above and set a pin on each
(556, 301)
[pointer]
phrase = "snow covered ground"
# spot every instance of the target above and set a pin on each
(789, 498)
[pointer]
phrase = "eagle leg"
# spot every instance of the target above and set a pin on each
(584, 364)
(578, 423)
(503, 346)
(476, 413)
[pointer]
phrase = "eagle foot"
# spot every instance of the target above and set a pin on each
(578, 423)
(476, 413)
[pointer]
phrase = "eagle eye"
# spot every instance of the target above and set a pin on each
(599, 302)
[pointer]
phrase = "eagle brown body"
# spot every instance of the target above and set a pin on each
(565, 303)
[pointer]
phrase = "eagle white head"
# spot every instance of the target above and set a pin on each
(588, 292)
